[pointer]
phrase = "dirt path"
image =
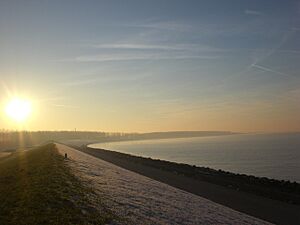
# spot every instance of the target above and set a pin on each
(146, 201)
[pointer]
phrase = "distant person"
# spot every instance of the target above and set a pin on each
(66, 155)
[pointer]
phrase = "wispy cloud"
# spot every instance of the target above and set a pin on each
(262, 50)
(138, 56)
(65, 106)
(163, 25)
(253, 12)
(140, 47)
(82, 82)
(50, 99)
(97, 78)
(163, 47)
(294, 94)
(295, 28)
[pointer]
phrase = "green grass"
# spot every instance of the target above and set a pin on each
(37, 187)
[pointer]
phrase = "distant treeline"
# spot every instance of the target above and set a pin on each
(13, 139)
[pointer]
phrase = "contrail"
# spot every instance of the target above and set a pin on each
(285, 38)
(269, 70)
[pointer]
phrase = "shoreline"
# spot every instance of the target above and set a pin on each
(214, 185)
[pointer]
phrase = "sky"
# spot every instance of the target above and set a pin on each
(141, 66)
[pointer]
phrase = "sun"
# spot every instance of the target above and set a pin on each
(18, 109)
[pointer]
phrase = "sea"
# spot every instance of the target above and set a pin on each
(264, 155)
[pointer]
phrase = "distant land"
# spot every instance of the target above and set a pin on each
(14, 139)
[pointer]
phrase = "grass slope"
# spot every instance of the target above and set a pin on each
(37, 187)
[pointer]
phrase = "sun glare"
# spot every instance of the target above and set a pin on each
(18, 109)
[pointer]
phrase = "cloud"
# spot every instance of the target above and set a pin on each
(263, 50)
(65, 106)
(140, 47)
(253, 12)
(294, 94)
(50, 99)
(164, 25)
(162, 47)
(82, 82)
(97, 78)
(168, 28)
(138, 56)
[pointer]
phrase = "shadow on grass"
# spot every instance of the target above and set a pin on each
(37, 187)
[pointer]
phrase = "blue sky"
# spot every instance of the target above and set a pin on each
(153, 65)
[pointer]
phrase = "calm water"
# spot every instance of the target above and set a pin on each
(266, 155)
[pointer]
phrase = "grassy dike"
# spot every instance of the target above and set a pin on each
(37, 187)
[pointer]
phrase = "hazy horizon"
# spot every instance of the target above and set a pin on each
(150, 66)
(146, 132)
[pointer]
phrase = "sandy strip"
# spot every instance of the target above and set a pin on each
(146, 201)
